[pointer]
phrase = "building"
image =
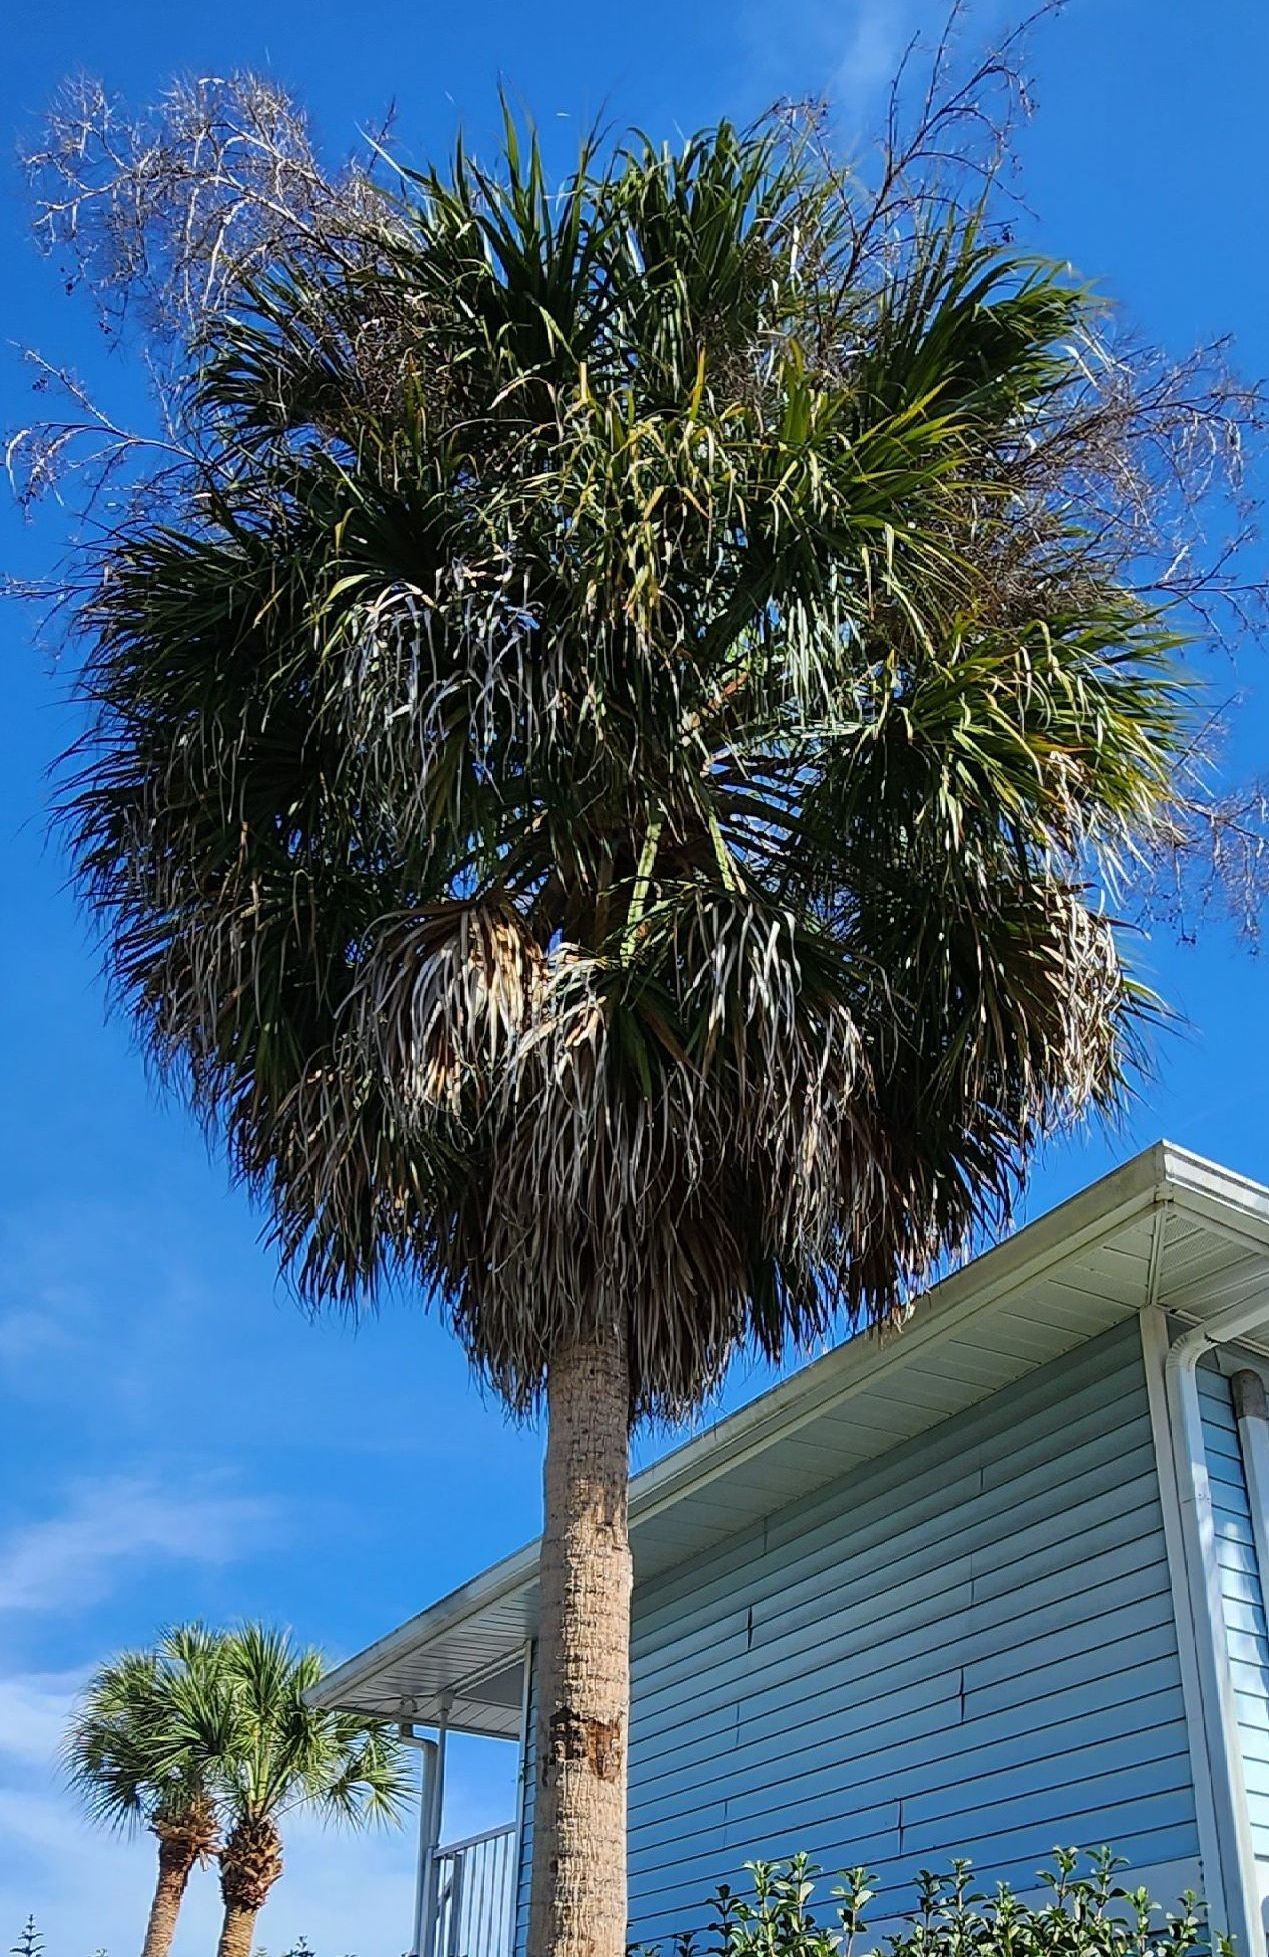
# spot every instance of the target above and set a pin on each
(979, 1587)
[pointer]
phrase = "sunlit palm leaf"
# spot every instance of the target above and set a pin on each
(606, 792)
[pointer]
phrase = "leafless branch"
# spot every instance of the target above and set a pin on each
(161, 216)
(167, 211)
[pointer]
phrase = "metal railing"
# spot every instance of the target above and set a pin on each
(475, 1895)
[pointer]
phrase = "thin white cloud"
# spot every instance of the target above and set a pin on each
(76, 1557)
(847, 51)
(34, 1710)
(30, 1337)
(878, 31)
(89, 1889)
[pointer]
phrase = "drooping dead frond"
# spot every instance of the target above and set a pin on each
(605, 779)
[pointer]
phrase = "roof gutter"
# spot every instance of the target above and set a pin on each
(1126, 1192)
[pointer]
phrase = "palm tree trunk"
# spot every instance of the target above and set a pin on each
(578, 1891)
(250, 1864)
(236, 1932)
(176, 1859)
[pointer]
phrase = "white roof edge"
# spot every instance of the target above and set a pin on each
(1161, 1172)
(1208, 1189)
(500, 1580)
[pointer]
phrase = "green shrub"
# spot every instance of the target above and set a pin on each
(1088, 1914)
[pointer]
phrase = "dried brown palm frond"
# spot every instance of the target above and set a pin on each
(611, 755)
(605, 794)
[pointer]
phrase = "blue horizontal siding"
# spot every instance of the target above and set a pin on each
(965, 1647)
(1242, 1601)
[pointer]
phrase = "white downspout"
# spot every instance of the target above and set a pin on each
(1252, 1415)
(429, 1872)
(427, 1842)
(431, 1800)
(1194, 1492)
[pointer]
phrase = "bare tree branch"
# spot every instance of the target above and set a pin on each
(1141, 460)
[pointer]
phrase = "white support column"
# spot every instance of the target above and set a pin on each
(427, 1841)
(430, 1872)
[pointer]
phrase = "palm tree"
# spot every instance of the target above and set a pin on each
(601, 782)
(131, 1760)
(269, 1753)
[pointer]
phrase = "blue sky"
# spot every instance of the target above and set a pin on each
(176, 1437)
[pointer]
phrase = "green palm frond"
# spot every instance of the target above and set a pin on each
(273, 1752)
(216, 1726)
(127, 1753)
(609, 792)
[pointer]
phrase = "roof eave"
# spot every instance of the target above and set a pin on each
(1161, 1173)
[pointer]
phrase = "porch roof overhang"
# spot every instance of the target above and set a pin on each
(1166, 1229)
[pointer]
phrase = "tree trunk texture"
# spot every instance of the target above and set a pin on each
(250, 1864)
(578, 1890)
(237, 1932)
(176, 1859)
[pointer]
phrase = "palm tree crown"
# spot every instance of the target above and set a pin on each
(133, 1760)
(127, 1749)
(212, 1731)
(604, 787)
(271, 1752)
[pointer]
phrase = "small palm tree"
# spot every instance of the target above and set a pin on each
(134, 1762)
(269, 1753)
